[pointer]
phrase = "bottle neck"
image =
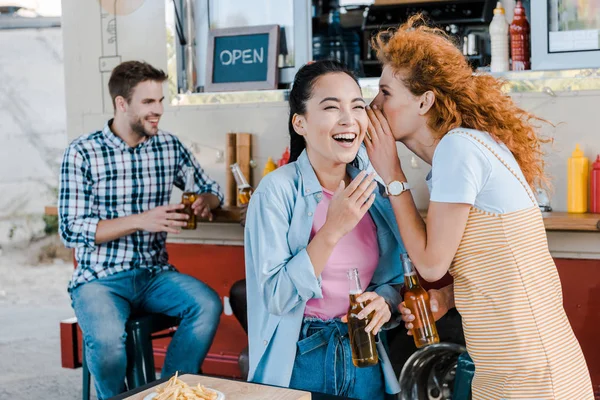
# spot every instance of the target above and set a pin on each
(239, 177)
(354, 282)
(410, 273)
(189, 180)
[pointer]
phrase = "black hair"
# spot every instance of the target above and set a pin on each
(302, 91)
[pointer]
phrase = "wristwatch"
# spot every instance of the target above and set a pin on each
(396, 188)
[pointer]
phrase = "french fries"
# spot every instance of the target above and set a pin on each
(176, 389)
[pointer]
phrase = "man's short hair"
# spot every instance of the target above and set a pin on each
(128, 74)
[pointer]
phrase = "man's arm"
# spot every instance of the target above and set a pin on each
(112, 229)
(77, 221)
(79, 226)
(159, 219)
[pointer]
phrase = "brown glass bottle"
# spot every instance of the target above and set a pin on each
(520, 41)
(188, 198)
(244, 188)
(364, 349)
(416, 299)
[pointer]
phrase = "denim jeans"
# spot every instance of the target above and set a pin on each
(324, 363)
(103, 306)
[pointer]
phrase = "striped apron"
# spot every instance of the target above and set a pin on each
(508, 292)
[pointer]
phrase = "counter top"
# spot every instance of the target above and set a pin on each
(222, 215)
(554, 221)
(565, 222)
(562, 221)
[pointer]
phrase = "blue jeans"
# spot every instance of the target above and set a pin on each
(103, 306)
(324, 363)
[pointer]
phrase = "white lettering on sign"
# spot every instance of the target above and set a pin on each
(247, 56)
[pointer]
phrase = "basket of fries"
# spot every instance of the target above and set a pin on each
(176, 389)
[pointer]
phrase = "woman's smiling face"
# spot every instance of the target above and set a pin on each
(335, 121)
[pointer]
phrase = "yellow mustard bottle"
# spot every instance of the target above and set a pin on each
(270, 166)
(577, 182)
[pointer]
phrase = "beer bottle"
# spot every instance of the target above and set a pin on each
(417, 301)
(364, 350)
(244, 188)
(188, 197)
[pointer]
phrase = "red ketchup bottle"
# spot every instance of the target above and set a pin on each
(595, 187)
(520, 40)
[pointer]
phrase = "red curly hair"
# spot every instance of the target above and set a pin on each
(430, 61)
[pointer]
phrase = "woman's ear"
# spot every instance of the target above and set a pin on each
(298, 122)
(427, 100)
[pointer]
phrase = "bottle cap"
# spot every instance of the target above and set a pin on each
(577, 152)
(499, 9)
(596, 164)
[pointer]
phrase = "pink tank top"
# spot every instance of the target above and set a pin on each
(358, 249)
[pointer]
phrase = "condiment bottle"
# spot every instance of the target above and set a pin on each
(520, 39)
(285, 158)
(595, 187)
(577, 182)
(499, 39)
(270, 166)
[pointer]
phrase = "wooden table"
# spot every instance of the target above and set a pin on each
(233, 390)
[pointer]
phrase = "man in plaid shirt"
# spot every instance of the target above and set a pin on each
(115, 186)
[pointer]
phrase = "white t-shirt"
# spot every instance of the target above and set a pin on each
(465, 171)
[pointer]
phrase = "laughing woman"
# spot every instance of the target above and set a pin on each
(483, 223)
(308, 223)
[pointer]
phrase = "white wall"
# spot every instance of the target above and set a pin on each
(32, 128)
(141, 35)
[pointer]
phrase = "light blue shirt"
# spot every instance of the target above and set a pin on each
(280, 277)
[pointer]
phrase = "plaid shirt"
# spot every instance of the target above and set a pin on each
(102, 178)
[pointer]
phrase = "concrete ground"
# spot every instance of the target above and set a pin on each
(33, 299)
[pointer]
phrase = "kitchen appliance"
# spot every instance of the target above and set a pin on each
(467, 21)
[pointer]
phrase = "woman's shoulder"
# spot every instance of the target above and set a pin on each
(476, 137)
(462, 142)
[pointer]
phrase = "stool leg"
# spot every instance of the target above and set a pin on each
(86, 375)
(140, 358)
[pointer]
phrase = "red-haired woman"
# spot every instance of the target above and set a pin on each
(484, 224)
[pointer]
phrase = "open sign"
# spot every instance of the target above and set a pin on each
(242, 58)
(246, 56)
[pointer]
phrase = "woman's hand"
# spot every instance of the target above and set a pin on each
(349, 205)
(381, 147)
(438, 300)
(376, 304)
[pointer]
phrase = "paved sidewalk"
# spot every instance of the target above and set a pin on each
(33, 299)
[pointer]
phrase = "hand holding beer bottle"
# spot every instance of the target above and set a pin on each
(188, 198)
(440, 300)
(362, 342)
(423, 328)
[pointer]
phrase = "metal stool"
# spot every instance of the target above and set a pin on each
(432, 373)
(140, 356)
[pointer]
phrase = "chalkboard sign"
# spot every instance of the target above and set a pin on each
(242, 58)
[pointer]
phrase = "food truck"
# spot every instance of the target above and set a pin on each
(230, 65)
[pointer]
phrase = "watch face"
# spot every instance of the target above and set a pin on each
(395, 188)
